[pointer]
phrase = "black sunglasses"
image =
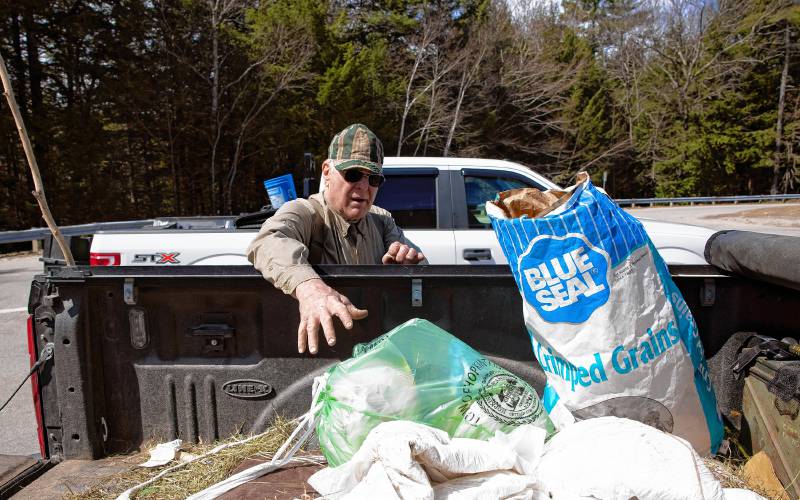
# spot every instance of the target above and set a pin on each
(354, 175)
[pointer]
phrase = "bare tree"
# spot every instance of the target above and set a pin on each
(473, 55)
(627, 37)
(791, 174)
(779, 158)
(282, 66)
(426, 71)
(244, 78)
(694, 70)
(220, 12)
(537, 86)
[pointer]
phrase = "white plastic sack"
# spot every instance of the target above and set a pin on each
(741, 494)
(608, 326)
(605, 458)
(618, 459)
(407, 460)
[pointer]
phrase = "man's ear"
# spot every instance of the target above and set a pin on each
(326, 170)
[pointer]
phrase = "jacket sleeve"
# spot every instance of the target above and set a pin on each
(392, 233)
(280, 249)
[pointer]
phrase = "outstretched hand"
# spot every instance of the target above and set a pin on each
(398, 253)
(318, 304)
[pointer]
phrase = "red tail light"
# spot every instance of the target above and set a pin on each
(104, 259)
(37, 403)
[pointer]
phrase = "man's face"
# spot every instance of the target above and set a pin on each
(351, 200)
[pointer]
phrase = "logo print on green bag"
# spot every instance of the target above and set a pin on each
(513, 404)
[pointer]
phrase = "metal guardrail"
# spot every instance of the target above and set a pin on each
(693, 200)
(41, 233)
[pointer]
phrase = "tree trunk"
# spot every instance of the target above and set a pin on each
(38, 119)
(19, 66)
(215, 67)
(34, 69)
(408, 104)
(176, 192)
(776, 170)
(461, 91)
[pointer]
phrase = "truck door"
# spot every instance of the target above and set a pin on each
(419, 200)
(476, 242)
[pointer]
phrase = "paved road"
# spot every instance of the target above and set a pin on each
(724, 217)
(17, 420)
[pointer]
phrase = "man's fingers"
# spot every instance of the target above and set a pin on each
(352, 310)
(398, 253)
(356, 313)
(401, 254)
(340, 310)
(301, 337)
(390, 256)
(328, 329)
(391, 253)
(312, 329)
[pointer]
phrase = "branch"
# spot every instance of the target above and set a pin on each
(37, 178)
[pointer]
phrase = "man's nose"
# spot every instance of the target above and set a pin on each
(363, 182)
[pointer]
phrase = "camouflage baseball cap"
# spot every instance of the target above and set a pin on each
(357, 146)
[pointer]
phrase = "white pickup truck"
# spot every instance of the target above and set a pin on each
(439, 203)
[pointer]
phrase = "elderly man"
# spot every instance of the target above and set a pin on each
(338, 226)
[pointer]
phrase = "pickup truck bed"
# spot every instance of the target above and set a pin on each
(203, 352)
(155, 364)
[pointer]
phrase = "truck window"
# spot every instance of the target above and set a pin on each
(481, 189)
(411, 199)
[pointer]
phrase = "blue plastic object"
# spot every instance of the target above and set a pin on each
(280, 190)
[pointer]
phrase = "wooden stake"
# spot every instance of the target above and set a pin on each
(37, 178)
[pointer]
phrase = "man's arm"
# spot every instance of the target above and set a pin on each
(280, 249)
(280, 253)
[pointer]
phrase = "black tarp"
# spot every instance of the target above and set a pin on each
(767, 257)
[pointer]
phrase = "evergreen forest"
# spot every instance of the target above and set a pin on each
(145, 108)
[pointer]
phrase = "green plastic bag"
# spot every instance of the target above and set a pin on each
(421, 373)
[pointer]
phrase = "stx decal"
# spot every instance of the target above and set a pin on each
(157, 258)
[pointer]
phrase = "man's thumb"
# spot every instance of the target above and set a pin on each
(357, 313)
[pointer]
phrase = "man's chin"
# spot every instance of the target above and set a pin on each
(355, 215)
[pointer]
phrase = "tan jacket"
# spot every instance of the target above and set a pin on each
(286, 245)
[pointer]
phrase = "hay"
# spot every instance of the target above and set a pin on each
(202, 473)
(730, 474)
(727, 472)
(195, 476)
